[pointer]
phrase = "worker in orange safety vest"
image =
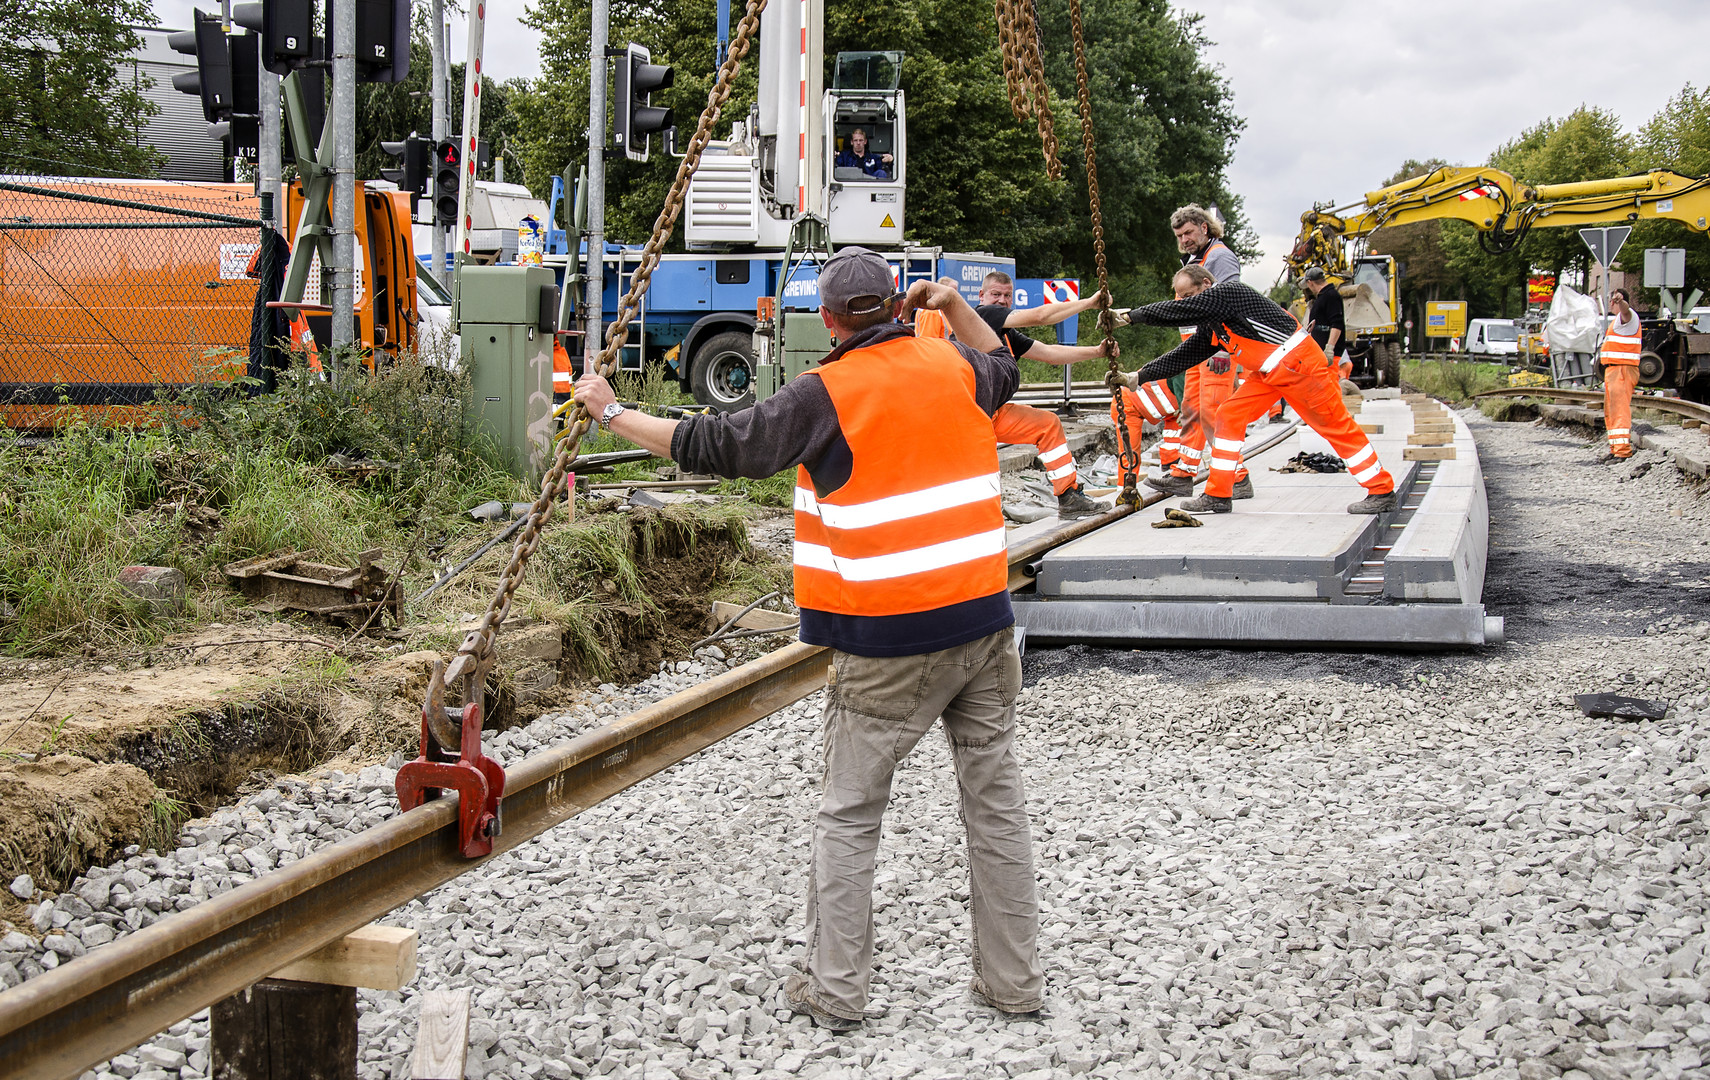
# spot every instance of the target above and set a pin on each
(1622, 344)
(1024, 425)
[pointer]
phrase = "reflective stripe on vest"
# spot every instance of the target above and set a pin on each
(1621, 349)
(918, 526)
(1156, 401)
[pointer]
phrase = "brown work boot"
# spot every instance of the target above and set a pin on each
(1074, 503)
(798, 990)
(1375, 504)
(1243, 488)
(1207, 504)
(1171, 483)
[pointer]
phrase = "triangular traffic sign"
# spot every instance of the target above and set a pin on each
(1605, 243)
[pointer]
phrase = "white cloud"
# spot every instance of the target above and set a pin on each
(1336, 97)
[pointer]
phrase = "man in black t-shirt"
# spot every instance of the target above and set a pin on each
(1325, 316)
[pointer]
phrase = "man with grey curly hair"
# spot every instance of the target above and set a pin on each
(1199, 237)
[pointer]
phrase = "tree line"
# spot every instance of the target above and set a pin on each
(1442, 260)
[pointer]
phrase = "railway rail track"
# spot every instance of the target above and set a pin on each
(83, 1012)
(1690, 410)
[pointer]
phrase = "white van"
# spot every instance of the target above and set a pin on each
(1493, 337)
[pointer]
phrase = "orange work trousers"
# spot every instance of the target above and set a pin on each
(1206, 391)
(1023, 425)
(1618, 383)
(1169, 431)
(1301, 382)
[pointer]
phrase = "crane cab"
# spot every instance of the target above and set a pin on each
(864, 123)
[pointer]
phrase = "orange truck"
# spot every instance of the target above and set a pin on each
(114, 290)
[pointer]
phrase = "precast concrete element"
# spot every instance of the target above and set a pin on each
(1275, 624)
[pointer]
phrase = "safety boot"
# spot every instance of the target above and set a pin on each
(1243, 488)
(1374, 504)
(1208, 504)
(1171, 483)
(798, 989)
(1074, 503)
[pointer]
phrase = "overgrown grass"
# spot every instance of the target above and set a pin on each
(338, 467)
(1453, 380)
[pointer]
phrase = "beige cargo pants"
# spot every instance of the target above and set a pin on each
(876, 710)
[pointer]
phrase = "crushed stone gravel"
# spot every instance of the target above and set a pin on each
(1268, 864)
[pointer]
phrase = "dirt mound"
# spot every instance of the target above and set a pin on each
(62, 813)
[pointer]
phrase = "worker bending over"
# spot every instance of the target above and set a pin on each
(901, 570)
(1282, 361)
(1024, 425)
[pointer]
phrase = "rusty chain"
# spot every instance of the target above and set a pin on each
(1024, 74)
(1129, 458)
(475, 656)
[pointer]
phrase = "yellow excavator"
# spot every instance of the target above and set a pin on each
(1503, 210)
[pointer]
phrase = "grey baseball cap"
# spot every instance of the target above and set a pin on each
(1315, 273)
(855, 281)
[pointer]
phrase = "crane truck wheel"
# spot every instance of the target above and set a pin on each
(1391, 357)
(1651, 369)
(722, 374)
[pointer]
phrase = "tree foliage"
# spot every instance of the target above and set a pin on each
(1162, 115)
(68, 105)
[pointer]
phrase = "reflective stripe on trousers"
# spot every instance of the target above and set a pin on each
(1302, 383)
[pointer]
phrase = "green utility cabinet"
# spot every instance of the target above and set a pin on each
(506, 316)
(806, 341)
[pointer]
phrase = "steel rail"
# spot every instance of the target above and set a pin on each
(1691, 410)
(83, 1012)
(60, 1023)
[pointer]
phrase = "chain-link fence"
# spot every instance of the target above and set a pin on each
(112, 291)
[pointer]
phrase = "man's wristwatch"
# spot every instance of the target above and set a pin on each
(611, 413)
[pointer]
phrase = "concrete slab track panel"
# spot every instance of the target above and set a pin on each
(1275, 624)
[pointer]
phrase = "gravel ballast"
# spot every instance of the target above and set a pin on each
(1250, 864)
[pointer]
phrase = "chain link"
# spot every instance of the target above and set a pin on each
(1024, 74)
(475, 655)
(1129, 458)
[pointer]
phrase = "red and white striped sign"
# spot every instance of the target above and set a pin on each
(1060, 292)
(1483, 191)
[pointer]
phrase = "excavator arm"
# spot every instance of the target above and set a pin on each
(1501, 208)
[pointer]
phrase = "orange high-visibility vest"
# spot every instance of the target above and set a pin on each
(1622, 348)
(918, 526)
(302, 340)
(930, 324)
(561, 381)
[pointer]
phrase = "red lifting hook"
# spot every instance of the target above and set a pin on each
(478, 780)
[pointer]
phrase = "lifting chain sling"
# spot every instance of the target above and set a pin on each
(1024, 74)
(475, 656)
(1129, 459)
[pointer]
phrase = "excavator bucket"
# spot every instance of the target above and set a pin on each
(1364, 309)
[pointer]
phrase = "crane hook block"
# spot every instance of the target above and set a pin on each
(478, 780)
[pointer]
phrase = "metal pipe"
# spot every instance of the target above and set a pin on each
(269, 165)
(594, 318)
(344, 176)
(441, 124)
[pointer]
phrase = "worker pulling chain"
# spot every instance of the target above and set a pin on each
(475, 655)
(1024, 74)
(1129, 459)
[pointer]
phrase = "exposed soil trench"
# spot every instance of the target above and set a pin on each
(113, 752)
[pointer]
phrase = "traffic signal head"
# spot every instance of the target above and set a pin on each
(447, 180)
(212, 79)
(415, 161)
(636, 80)
(382, 40)
(244, 127)
(287, 31)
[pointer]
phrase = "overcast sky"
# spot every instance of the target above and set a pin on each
(1337, 96)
